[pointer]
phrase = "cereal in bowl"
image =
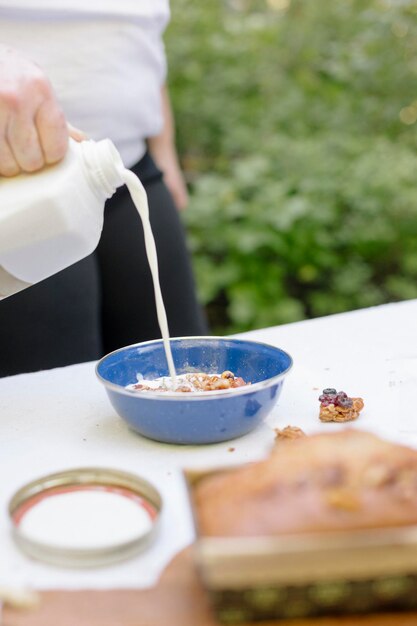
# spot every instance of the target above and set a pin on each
(190, 383)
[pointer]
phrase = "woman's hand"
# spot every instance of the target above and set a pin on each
(33, 128)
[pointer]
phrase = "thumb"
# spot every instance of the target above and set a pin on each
(76, 133)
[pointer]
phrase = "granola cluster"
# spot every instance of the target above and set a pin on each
(289, 433)
(337, 406)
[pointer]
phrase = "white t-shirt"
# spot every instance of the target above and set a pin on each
(105, 59)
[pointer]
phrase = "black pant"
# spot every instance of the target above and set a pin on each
(105, 301)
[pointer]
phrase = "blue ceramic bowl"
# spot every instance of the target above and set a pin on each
(188, 418)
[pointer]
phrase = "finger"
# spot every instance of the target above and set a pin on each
(76, 133)
(8, 164)
(24, 143)
(52, 130)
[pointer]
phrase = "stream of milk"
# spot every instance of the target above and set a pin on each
(140, 200)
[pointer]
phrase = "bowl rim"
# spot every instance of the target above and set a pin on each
(195, 397)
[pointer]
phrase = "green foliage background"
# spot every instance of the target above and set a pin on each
(297, 130)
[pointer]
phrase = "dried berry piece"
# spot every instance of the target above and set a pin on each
(239, 382)
(341, 394)
(346, 403)
(328, 396)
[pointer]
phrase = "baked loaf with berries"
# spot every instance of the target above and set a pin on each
(337, 481)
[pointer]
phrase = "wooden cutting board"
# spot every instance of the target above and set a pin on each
(177, 600)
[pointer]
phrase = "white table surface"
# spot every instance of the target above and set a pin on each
(61, 418)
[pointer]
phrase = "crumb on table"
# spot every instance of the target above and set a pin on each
(289, 433)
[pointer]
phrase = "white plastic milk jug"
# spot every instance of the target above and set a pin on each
(53, 218)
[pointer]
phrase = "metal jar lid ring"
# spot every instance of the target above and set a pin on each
(85, 517)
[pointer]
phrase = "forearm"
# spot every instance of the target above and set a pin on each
(163, 150)
(162, 146)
